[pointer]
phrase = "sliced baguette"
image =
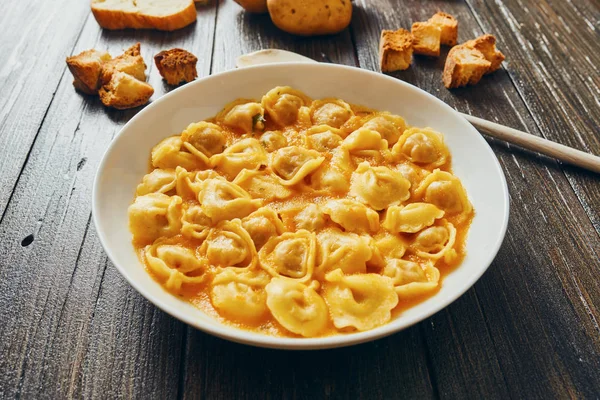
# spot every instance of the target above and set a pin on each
(164, 15)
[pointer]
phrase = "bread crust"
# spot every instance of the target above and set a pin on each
(427, 39)
(464, 66)
(395, 50)
(449, 26)
(176, 66)
(124, 91)
(115, 14)
(86, 68)
(130, 62)
(486, 44)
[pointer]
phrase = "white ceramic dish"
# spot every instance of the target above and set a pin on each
(126, 162)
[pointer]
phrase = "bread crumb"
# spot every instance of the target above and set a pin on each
(449, 26)
(125, 91)
(427, 39)
(86, 68)
(176, 66)
(395, 50)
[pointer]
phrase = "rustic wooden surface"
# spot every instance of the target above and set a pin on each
(70, 326)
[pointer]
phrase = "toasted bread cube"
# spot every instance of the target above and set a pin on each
(464, 66)
(449, 26)
(176, 66)
(395, 50)
(86, 68)
(130, 62)
(486, 44)
(124, 91)
(426, 39)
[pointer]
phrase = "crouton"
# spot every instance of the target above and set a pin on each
(464, 66)
(426, 39)
(449, 26)
(395, 50)
(130, 62)
(486, 44)
(124, 91)
(176, 66)
(86, 68)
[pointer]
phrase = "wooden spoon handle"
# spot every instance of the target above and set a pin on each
(531, 142)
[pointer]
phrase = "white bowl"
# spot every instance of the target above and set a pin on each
(126, 162)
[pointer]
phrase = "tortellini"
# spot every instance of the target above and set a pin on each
(352, 215)
(362, 301)
(273, 140)
(332, 112)
(446, 192)
(229, 245)
(157, 181)
(204, 139)
(240, 294)
(435, 242)
(323, 138)
(389, 126)
(170, 153)
(261, 185)
(346, 251)
(155, 215)
(174, 264)
(410, 279)
(422, 146)
(299, 308)
(293, 163)
(290, 255)
(223, 200)
(411, 218)
(245, 154)
(379, 187)
(195, 224)
(282, 104)
(301, 218)
(263, 224)
(244, 116)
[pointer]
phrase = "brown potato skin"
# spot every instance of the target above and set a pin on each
(253, 6)
(310, 17)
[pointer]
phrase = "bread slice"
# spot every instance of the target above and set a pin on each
(395, 50)
(124, 91)
(464, 66)
(176, 66)
(426, 39)
(164, 15)
(449, 26)
(130, 62)
(86, 68)
(486, 44)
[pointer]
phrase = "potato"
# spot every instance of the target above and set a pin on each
(253, 6)
(310, 17)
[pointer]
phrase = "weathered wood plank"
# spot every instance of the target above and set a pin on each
(389, 368)
(32, 66)
(552, 53)
(397, 363)
(482, 346)
(71, 326)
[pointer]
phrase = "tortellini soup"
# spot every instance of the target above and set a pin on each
(296, 217)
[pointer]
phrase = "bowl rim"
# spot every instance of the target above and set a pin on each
(238, 335)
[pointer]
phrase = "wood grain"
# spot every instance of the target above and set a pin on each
(70, 323)
(71, 327)
(553, 270)
(554, 63)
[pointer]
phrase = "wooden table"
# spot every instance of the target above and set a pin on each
(70, 326)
